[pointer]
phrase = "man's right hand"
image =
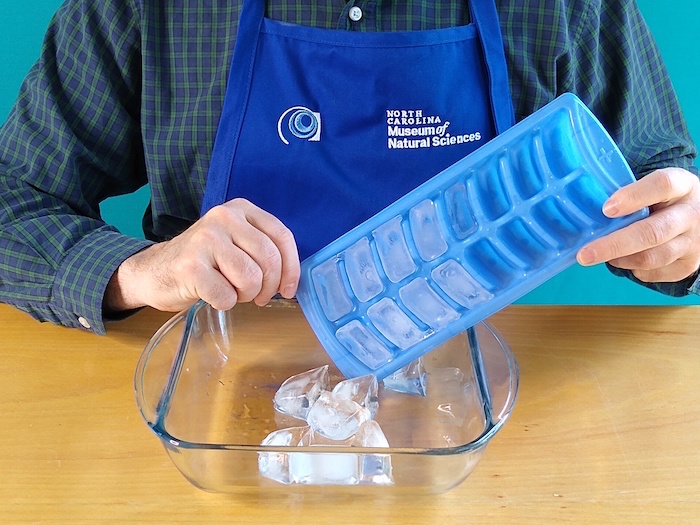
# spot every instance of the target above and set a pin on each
(235, 252)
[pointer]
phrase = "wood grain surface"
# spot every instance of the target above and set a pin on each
(606, 429)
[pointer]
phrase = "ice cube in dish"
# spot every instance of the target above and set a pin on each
(298, 393)
(364, 390)
(374, 468)
(411, 379)
(324, 468)
(275, 465)
(336, 417)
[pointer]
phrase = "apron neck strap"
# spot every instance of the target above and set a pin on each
(484, 15)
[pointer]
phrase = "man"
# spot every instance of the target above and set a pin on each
(133, 92)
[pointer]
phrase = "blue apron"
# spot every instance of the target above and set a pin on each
(323, 128)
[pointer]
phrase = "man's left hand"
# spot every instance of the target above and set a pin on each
(665, 246)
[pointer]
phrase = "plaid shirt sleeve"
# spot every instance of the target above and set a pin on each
(605, 53)
(637, 104)
(643, 113)
(67, 144)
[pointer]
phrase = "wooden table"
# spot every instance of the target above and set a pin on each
(606, 429)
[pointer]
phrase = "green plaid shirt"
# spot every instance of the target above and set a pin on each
(129, 92)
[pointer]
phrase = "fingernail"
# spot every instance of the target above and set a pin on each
(610, 209)
(586, 256)
(288, 291)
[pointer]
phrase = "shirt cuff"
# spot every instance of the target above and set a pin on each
(695, 287)
(676, 289)
(81, 281)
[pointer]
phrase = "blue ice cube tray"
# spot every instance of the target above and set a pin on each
(466, 243)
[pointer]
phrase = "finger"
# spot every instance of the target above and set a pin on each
(216, 290)
(283, 238)
(246, 257)
(660, 186)
(257, 236)
(658, 228)
(657, 257)
(241, 271)
(261, 249)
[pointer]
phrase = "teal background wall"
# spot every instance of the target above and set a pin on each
(673, 22)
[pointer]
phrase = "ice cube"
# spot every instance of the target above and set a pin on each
(324, 468)
(459, 211)
(426, 304)
(275, 465)
(459, 285)
(393, 251)
(364, 345)
(370, 434)
(330, 289)
(315, 439)
(426, 230)
(362, 390)
(411, 379)
(335, 417)
(374, 468)
(394, 324)
(298, 393)
(362, 271)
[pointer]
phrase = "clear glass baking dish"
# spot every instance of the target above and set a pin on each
(205, 384)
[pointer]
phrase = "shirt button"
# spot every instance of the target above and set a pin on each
(355, 13)
(84, 322)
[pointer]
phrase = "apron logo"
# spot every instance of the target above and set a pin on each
(413, 129)
(301, 122)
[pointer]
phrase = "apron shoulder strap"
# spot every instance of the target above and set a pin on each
(485, 16)
(252, 13)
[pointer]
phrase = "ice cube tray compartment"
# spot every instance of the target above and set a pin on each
(466, 243)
